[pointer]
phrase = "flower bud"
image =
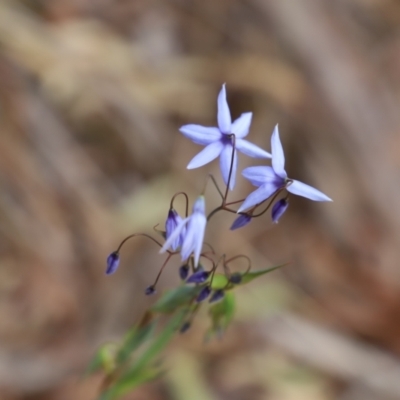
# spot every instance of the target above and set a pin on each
(185, 327)
(217, 295)
(198, 277)
(241, 221)
(112, 263)
(204, 293)
(184, 271)
(278, 209)
(150, 290)
(235, 278)
(171, 223)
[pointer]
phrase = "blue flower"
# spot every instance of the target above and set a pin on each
(112, 263)
(219, 142)
(241, 221)
(192, 228)
(171, 223)
(278, 209)
(271, 179)
(198, 277)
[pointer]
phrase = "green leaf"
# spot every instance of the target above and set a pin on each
(175, 298)
(140, 371)
(137, 336)
(249, 276)
(221, 314)
(104, 359)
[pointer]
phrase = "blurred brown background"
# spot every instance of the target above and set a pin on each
(92, 93)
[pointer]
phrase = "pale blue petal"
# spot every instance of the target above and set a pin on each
(225, 165)
(258, 196)
(187, 245)
(278, 157)
(224, 115)
(251, 149)
(201, 134)
(174, 235)
(301, 189)
(241, 126)
(260, 175)
(209, 153)
(200, 224)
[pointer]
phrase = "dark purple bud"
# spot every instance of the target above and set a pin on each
(241, 221)
(235, 278)
(204, 293)
(112, 263)
(217, 295)
(185, 327)
(184, 271)
(278, 209)
(198, 277)
(150, 290)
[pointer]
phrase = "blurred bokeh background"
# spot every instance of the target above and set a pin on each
(92, 93)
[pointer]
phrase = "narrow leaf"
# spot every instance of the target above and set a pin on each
(249, 276)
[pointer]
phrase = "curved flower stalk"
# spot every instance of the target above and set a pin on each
(271, 179)
(219, 141)
(192, 228)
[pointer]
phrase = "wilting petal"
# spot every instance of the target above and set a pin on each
(301, 189)
(260, 175)
(241, 221)
(224, 115)
(209, 153)
(278, 210)
(278, 157)
(225, 164)
(258, 196)
(251, 149)
(200, 134)
(198, 277)
(241, 126)
(171, 223)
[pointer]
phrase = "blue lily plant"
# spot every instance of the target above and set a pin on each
(131, 363)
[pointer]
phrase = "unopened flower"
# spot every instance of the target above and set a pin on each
(192, 228)
(217, 295)
(198, 277)
(278, 209)
(112, 263)
(186, 326)
(241, 221)
(204, 293)
(150, 290)
(184, 271)
(270, 179)
(171, 223)
(219, 142)
(235, 278)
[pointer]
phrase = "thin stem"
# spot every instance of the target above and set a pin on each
(141, 234)
(161, 270)
(216, 186)
(187, 201)
(270, 203)
(235, 258)
(235, 202)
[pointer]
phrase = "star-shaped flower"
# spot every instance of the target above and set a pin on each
(271, 179)
(219, 141)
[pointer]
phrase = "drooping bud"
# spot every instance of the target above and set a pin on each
(204, 293)
(198, 277)
(185, 327)
(171, 223)
(241, 221)
(112, 263)
(235, 278)
(217, 295)
(184, 271)
(150, 290)
(278, 209)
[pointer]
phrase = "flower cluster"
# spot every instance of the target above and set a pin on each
(185, 235)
